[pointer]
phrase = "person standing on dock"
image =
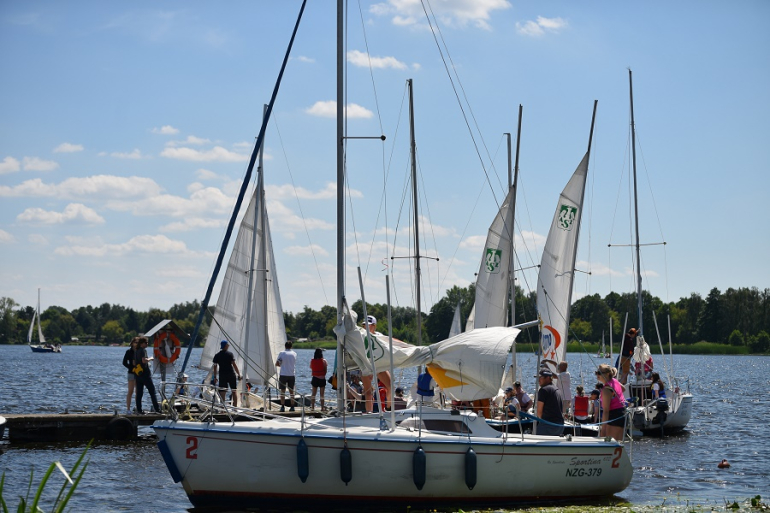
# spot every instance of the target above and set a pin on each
(228, 370)
(144, 377)
(287, 360)
(128, 363)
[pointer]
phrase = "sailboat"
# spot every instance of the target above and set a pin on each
(652, 416)
(249, 314)
(456, 327)
(418, 455)
(42, 346)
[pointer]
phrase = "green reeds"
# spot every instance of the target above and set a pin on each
(65, 493)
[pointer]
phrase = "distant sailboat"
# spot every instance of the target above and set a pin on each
(456, 327)
(42, 346)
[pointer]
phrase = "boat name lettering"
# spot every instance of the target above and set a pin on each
(584, 472)
(577, 462)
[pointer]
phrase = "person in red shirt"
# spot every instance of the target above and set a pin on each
(318, 366)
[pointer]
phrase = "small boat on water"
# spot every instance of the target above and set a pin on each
(652, 416)
(42, 346)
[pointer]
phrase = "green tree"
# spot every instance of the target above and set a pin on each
(113, 332)
(736, 338)
(760, 343)
(710, 326)
(8, 331)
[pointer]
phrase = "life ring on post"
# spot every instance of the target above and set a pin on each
(160, 339)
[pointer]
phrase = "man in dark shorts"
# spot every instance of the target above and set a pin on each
(228, 369)
(549, 406)
(144, 376)
(287, 360)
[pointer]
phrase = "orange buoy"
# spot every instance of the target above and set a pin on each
(723, 464)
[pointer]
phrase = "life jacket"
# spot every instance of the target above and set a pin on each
(581, 407)
(318, 367)
(423, 385)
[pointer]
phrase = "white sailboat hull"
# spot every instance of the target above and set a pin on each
(677, 416)
(247, 464)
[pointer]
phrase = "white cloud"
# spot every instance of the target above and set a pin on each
(286, 191)
(539, 27)
(179, 272)
(205, 174)
(91, 187)
(37, 239)
(328, 109)
(474, 242)
(9, 165)
(283, 218)
(306, 250)
(68, 148)
(6, 238)
(191, 140)
(598, 269)
(188, 225)
(133, 155)
(151, 244)
(450, 13)
(216, 154)
(38, 164)
(205, 200)
(302, 58)
(73, 213)
(165, 130)
(364, 60)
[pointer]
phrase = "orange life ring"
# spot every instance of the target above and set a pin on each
(161, 338)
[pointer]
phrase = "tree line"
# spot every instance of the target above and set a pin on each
(738, 317)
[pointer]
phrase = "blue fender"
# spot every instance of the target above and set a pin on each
(419, 466)
(346, 465)
(470, 468)
(303, 460)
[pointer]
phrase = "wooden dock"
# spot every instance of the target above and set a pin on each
(82, 427)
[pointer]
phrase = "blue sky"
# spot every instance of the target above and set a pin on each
(125, 130)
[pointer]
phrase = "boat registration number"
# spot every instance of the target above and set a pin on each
(584, 472)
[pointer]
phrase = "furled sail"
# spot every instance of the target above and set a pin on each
(554, 282)
(467, 367)
(493, 278)
(255, 356)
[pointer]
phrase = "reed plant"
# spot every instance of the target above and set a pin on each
(65, 492)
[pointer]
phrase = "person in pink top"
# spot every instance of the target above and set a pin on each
(613, 403)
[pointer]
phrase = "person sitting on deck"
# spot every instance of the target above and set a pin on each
(524, 399)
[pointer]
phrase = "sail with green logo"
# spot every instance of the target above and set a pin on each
(557, 265)
(493, 279)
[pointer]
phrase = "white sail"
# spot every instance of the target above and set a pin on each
(456, 327)
(231, 315)
(31, 328)
(467, 367)
(554, 282)
(493, 278)
(36, 319)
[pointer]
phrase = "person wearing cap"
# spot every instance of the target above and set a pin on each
(626, 352)
(287, 359)
(595, 405)
(228, 369)
(524, 399)
(510, 404)
(549, 406)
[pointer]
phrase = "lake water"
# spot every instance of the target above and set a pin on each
(730, 415)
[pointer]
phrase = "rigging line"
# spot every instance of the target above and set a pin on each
(462, 235)
(465, 97)
(429, 217)
(462, 109)
(299, 206)
(649, 186)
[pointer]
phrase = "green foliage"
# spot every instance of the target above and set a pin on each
(65, 493)
(760, 343)
(736, 338)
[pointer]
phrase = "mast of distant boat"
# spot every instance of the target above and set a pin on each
(636, 208)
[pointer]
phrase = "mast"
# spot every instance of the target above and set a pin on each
(512, 267)
(636, 209)
(340, 198)
(262, 208)
(413, 151)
